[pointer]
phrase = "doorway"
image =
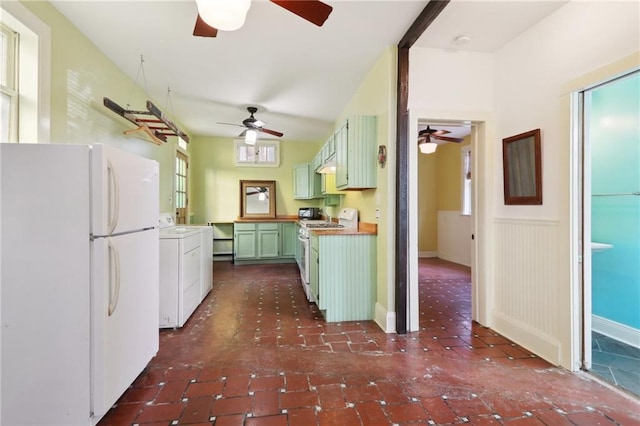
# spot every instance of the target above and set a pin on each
(480, 131)
(609, 119)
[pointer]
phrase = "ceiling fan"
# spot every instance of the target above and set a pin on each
(427, 134)
(261, 191)
(252, 123)
(313, 11)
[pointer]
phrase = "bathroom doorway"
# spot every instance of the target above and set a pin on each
(610, 134)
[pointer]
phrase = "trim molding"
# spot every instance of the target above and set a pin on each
(386, 320)
(616, 330)
(543, 345)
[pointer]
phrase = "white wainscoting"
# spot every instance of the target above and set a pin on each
(454, 237)
(527, 285)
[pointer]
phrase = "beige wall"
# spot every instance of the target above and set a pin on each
(215, 179)
(81, 75)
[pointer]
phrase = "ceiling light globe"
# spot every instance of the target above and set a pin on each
(428, 147)
(250, 137)
(224, 15)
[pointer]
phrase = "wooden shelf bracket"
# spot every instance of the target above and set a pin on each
(157, 127)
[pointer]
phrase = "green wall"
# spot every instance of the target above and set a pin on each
(81, 75)
(215, 179)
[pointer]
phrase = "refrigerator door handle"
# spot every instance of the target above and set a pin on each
(114, 198)
(115, 294)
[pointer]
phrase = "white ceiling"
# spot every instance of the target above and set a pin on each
(300, 76)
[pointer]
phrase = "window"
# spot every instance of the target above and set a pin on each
(8, 85)
(28, 116)
(262, 154)
(466, 181)
(182, 167)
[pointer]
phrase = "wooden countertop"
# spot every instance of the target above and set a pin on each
(261, 219)
(364, 228)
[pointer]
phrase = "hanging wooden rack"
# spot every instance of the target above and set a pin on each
(157, 128)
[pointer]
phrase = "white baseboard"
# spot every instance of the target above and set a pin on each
(541, 344)
(427, 254)
(615, 330)
(386, 320)
(454, 259)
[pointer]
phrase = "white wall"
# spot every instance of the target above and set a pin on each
(527, 81)
(453, 237)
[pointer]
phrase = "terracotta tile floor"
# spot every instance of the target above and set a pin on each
(255, 353)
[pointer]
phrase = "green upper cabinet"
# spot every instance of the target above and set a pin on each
(306, 182)
(356, 153)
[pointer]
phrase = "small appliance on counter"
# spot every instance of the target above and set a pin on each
(309, 213)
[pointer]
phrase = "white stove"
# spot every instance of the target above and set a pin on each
(347, 219)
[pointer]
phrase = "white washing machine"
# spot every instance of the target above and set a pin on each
(180, 270)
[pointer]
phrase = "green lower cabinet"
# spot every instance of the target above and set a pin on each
(264, 242)
(288, 239)
(344, 279)
(244, 243)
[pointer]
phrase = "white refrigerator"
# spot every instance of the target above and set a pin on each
(79, 279)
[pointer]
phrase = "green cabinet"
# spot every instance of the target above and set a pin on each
(356, 149)
(244, 241)
(288, 239)
(264, 242)
(306, 182)
(268, 239)
(343, 276)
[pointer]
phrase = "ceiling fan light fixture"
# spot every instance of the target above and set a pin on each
(250, 137)
(427, 147)
(224, 15)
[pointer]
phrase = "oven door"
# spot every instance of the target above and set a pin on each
(304, 259)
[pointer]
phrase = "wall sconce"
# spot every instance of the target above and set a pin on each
(224, 15)
(426, 146)
(250, 137)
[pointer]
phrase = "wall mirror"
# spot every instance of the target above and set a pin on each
(258, 199)
(521, 162)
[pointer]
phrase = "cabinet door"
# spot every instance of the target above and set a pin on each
(245, 245)
(341, 142)
(288, 239)
(301, 181)
(314, 276)
(268, 244)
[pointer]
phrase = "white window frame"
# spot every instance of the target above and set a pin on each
(245, 155)
(465, 193)
(9, 82)
(34, 72)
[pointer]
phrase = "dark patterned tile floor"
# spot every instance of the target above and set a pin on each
(255, 353)
(616, 362)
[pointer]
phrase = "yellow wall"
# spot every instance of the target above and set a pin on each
(81, 75)
(377, 96)
(215, 179)
(439, 188)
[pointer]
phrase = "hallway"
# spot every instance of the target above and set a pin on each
(255, 353)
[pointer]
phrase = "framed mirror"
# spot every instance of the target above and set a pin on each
(521, 162)
(258, 199)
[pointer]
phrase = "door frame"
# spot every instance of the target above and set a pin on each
(482, 200)
(580, 223)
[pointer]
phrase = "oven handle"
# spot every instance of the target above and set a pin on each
(303, 239)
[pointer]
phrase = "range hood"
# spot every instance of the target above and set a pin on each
(329, 166)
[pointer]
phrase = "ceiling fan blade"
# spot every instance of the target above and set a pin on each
(448, 139)
(242, 135)
(271, 132)
(313, 11)
(433, 132)
(230, 124)
(202, 29)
